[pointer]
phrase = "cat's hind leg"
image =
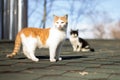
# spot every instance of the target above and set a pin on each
(33, 57)
(26, 52)
(85, 50)
(30, 54)
(29, 46)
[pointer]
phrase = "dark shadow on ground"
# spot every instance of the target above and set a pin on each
(73, 57)
(63, 57)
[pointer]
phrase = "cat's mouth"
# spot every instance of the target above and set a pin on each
(60, 28)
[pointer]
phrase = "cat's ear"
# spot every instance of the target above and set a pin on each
(66, 16)
(54, 16)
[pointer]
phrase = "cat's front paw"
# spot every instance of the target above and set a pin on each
(78, 50)
(52, 60)
(74, 50)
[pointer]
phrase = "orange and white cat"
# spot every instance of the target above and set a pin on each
(51, 38)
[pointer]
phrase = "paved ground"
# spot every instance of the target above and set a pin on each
(103, 64)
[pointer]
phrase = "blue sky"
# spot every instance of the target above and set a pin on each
(61, 7)
(97, 11)
(111, 6)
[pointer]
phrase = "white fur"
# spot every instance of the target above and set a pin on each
(85, 50)
(75, 42)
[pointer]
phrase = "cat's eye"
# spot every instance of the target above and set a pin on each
(62, 22)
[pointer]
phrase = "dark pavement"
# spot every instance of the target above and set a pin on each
(103, 64)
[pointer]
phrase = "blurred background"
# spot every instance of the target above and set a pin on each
(95, 19)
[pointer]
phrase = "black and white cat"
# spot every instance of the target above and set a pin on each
(78, 43)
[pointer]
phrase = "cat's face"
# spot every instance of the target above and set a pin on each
(61, 22)
(74, 33)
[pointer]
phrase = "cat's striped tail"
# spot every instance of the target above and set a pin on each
(16, 47)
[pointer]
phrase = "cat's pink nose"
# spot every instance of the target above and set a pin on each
(60, 27)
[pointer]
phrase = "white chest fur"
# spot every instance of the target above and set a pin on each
(55, 36)
(74, 41)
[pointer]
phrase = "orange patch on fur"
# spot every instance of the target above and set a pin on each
(43, 34)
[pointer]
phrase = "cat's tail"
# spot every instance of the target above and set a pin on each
(16, 47)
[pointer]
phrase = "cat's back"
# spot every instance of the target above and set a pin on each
(34, 31)
(38, 34)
